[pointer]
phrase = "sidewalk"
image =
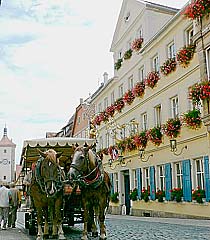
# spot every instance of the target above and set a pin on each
(13, 234)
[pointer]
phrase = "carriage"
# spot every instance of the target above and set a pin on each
(72, 212)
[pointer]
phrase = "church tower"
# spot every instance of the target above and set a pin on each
(7, 159)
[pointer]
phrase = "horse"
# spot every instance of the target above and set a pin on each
(87, 171)
(46, 191)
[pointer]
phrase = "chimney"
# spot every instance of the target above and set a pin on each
(105, 75)
(81, 100)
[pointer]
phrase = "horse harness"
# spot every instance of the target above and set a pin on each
(42, 184)
(84, 180)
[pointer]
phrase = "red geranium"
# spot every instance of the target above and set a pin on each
(152, 79)
(185, 55)
(137, 44)
(168, 66)
(139, 89)
(128, 97)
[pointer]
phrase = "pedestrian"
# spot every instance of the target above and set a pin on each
(27, 184)
(15, 203)
(5, 198)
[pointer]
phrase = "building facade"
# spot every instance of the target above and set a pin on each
(7, 159)
(147, 123)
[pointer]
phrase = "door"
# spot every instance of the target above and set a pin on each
(127, 191)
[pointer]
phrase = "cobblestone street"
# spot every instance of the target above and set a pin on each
(129, 227)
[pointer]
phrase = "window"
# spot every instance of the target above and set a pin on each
(174, 107)
(171, 50)
(121, 92)
(161, 177)
(189, 35)
(199, 173)
(208, 61)
(178, 175)
(146, 178)
(79, 120)
(105, 102)
(144, 121)
(127, 16)
(100, 142)
(99, 107)
(140, 32)
(5, 150)
(112, 98)
(122, 133)
(158, 116)
(83, 116)
(134, 179)
(130, 83)
(120, 54)
(107, 140)
(133, 127)
(5, 177)
(116, 186)
(155, 64)
(141, 74)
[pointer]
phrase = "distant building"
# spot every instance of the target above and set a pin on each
(7, 159)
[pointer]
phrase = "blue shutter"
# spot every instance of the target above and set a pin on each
(168, 180)
(207, 178)
(187, 182)
(139, 184)
(152, 182)
(112, 182)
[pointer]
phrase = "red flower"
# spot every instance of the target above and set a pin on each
(139, 89)
(172, 127)
(168, 66)
(119, 104)
(185, 55)
(152, 79)
(137, 44)
(128, 97)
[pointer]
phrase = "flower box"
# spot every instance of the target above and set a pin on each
(119, 104)
(155, 135)
(128, 97)
(192, 119)
(127, 54)
(118, 64)
(176, 194)
(139, 89)
(197, 9)
(110, 110)
(198, 195)
(137, 44)
(172, 127)
(199, 91)
(152, 79)
(140, 140)
(168, 66)
(185, 55)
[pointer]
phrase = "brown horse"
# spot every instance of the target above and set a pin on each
(87, 171)
(47, 193)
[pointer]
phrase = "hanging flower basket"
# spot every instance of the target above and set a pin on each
(137, 44)
(168, 66)
(121, 145)
(128, 97)
(139, 89)
(97, 120)
(110, 110)
(128, 54)
(172, 127)
(197, 9)
(185, 55)
(140, 140)
(104, 116)
(155, 135)
(130, 146)
(118, 64)
(192, 119)
(119, 104)
(152, 79)
(199, 92)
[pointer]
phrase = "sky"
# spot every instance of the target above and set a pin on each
(52, 53)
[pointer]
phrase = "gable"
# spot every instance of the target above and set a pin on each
(130, 10)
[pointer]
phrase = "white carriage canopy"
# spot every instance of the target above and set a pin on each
(65, 145)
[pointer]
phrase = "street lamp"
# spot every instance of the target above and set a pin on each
(142, 155)
(173, 146)
(120, 161)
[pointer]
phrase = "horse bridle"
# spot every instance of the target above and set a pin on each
(42, 183)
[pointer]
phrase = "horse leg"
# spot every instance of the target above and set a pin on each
(91, 225)
(46, 225)
(39, 223)
(102, 208)
(85, 232)
(58, 219)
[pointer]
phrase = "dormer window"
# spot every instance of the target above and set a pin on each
(127, 17)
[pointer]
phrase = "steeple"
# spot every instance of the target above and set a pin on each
(5, 131)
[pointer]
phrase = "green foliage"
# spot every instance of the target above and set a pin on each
(114, 197)
(176, 194)
(160, 194)
(145, 194)
(134, 194)
(198, 195)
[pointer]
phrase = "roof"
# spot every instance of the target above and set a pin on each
(6, 142)
(59, 144)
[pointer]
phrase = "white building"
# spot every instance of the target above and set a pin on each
(7, 159)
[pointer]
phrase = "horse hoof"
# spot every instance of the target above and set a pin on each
(84, 237)
(39, 238)
(46, 236)
(62, 237)
(94, 234)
